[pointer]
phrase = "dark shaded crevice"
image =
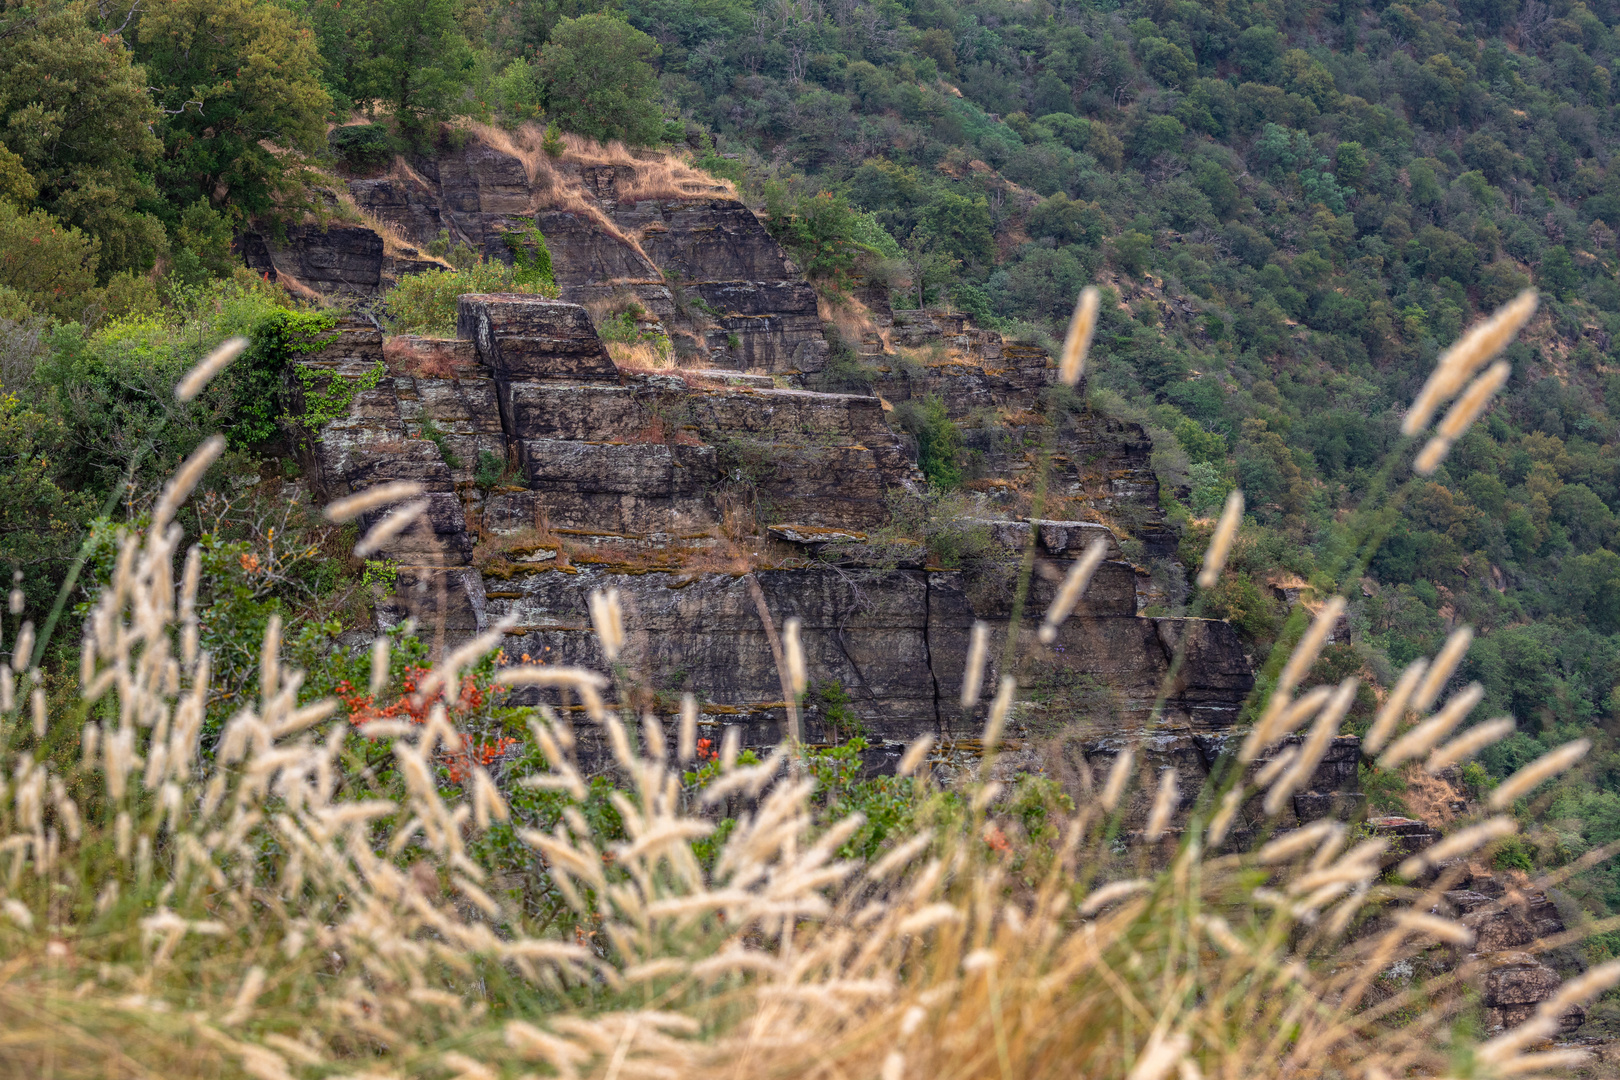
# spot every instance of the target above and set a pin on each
(928, 651)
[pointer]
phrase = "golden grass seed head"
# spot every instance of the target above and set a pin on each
(372, 498)
(1394, 707)
(192, 383)
(1440, 671)
(1119, 774)
(686, 745)
(1074, 585)
(1164, 806)
(973, 672)
(916, 753)
(1220, 543)
(793, 650)
(1077, 342)
(1469, 743)
(1421, 739)
(999, 708)
(389, 528)
(1538, 772)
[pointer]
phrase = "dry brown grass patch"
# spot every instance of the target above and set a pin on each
(416, 357)
(852, 318)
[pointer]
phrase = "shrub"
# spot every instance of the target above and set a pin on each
(939, 442)
(425, 303)
(49, 265)
(363, 146)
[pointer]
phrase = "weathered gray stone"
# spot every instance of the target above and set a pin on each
(530, 337)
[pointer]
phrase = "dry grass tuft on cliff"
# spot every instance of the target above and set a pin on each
(313, 889)
(556, 183)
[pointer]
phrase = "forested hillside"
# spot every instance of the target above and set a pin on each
(1293, 206)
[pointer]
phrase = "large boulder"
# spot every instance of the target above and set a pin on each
(530, 337)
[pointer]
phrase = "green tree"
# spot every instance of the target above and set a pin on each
(202, 245)
(1068, 221)
(419, 60)
(960, 226)
(77, 120)
(598, 81)
(231, 77)
(1159, 136)
(40, 519)
(51, 266)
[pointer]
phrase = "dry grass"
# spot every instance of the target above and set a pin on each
(556, 186)
(852, 319)
(394, 244)
(407, 354)
(643, 357)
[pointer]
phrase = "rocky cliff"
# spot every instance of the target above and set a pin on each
(725, 493)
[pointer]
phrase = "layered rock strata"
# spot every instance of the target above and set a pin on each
(1508, 924)
(702, 268)
(638, 483)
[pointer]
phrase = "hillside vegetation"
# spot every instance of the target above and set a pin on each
(1292, 208)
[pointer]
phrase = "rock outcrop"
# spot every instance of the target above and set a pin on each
(637, 482)
(1507, 924)
(707, 494)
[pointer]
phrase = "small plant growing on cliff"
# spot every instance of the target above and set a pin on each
(255, 380)
(842, 721)
(552, 142)
(489, 470)
(425, 303)
(939, 443)
(531, 259)
(431, 432)
(327, 396)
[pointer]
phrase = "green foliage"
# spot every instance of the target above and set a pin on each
(552, 141)
(410, 55)
(531, 259)
(841, 720)
(598, 81)
(40, 521)
(489, 470)
(1512, 853)
(1385, 790)
(518, 93)
(78, 132)
(113, 387)
(49, 265)
(232, 76)
(201, 246)
(824, 233)
(887, 802)
(939, 442)
(380, 574)
(326, 397)
(431, 432)
(425, 303)
(363, 146)
(255, 381)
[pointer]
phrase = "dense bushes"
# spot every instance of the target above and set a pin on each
(425, 303)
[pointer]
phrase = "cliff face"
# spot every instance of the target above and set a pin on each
(703, 493)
